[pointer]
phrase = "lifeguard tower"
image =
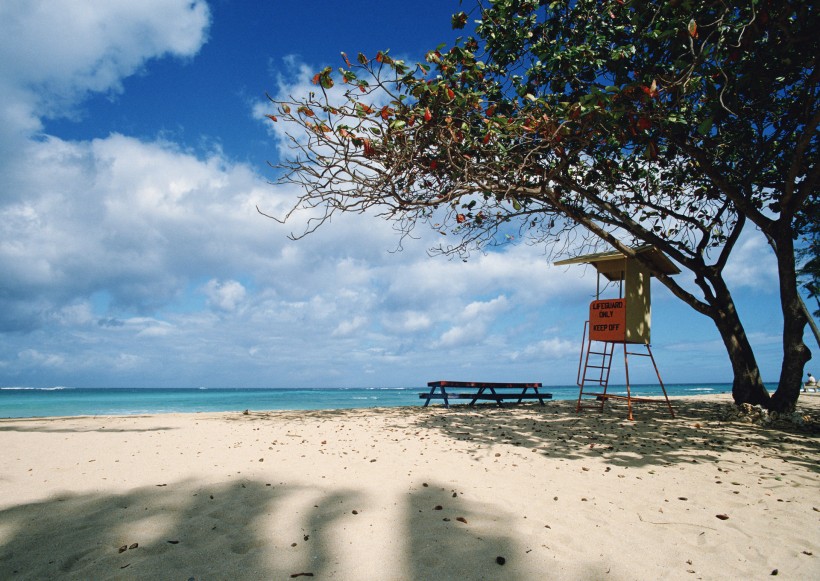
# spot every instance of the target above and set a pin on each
(624, 320)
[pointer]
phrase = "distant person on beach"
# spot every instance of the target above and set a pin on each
(810, 383)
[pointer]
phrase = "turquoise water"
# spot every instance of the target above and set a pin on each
(22, 402)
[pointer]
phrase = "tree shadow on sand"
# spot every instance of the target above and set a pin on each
(176, 531)
(243, 530)
(452, 538)
(695, 435)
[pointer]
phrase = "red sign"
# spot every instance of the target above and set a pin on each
(607, 320)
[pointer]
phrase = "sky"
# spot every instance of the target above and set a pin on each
(133, 154)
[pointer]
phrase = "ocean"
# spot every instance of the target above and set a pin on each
(25, 402)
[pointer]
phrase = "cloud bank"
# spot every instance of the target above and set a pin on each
(128, 261)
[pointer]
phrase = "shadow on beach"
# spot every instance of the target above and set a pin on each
(258, 527)
(180, 531)
(184, 531)
(695, 435)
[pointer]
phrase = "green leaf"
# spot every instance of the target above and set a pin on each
(459, 20)
(348, 76)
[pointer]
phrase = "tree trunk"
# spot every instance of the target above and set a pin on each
(795, 351)
(747, 385)
(718, 305)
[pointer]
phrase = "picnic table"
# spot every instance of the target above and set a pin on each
(485, 391)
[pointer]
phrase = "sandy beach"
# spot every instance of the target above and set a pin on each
(522, 492)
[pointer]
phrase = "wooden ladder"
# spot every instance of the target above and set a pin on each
(594, 366)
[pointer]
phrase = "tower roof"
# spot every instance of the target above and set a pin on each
(613, 264)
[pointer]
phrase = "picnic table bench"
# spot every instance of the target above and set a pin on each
(496, 392)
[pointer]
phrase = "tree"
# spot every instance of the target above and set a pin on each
(675, 124)
(809, 271)
(810, 255)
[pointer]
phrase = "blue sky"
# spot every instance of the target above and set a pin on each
(133, 152)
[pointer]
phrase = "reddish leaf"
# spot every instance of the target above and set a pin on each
(315, 79)
(652, 150)
(427, 114)
(486, 139)
(644, 123)
(433, 164)
(651, 91)
(347, 61)
(693, 28)
(490, 110)
(460, 218)
(450, 93)
(272, 118)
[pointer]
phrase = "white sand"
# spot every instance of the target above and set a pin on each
(410, 493)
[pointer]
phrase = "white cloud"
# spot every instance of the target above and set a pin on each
(349, 327)
(752, 263)
(34, 357)
(547, 349)
(128, 261)
(55, 53)
(58, 241)
(474, 322)
(403, 322)
(136, 219)
(226, 295)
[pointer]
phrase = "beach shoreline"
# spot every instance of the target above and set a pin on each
(411, 493)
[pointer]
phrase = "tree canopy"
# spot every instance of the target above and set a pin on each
(580, 122)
